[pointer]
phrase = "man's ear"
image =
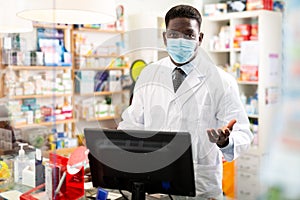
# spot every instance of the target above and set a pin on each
(201, 38)
(165, 39)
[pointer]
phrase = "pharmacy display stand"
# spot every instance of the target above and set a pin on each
(256, 64)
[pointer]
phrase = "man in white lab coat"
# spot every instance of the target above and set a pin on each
(206, 104)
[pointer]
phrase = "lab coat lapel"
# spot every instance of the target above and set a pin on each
(191, 81)
(190, 85)
(196, 78)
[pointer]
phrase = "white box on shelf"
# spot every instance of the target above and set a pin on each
(250, 53)
(85, 82)
(87, 108)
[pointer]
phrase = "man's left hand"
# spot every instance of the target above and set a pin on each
(221, 135)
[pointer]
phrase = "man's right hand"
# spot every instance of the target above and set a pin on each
(221, 136)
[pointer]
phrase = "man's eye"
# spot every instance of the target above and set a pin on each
(190, 36)
(173, 34)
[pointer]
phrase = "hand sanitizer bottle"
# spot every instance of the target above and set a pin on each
(20, 163)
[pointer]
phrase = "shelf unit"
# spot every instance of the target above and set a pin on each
(103, 118)
(269, 37)
(15, 67)
(247, 82)
(104, 93)
(45, 123)
(65, 97)
(54, 26)
(94, 35)
(101, 68)
(49, 96)
(96, 30)
(99, 56)
(269, 41)
(69, 41)
(72, 125)
(40, 96)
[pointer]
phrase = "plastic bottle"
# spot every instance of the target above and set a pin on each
(243, 99)
(20, 163)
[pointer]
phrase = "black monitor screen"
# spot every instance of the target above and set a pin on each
(141, 161)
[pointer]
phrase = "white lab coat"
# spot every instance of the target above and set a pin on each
(208, 98)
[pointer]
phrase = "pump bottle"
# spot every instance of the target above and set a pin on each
(20, 163)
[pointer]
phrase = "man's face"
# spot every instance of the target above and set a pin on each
(185, 28)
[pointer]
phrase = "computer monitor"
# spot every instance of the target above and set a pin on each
(141, 161)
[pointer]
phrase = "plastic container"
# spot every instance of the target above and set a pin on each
(20, 163)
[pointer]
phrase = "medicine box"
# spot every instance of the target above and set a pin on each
(84, 82)
(215, 9)
(236, 5)
(259, 4)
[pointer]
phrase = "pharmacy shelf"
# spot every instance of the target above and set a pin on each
(99, 56)
(225, 50)
(101, 68)
(269, 25)
(248, 82)
(15, 67)
(236, 15)
(253, 116)
(103, 118)
(97, 30)
(98, 36)
(235, 49)
(104, 93)
(40, 96)
(65, 99)
(44, 123)
(54, 26)
(219, 51)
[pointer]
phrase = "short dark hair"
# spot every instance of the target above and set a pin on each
(184, 11)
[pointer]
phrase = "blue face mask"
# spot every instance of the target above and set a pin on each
(181, 50)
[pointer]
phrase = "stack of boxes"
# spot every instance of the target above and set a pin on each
(46, 83)
(96, 108)
(245, 32)
(6, 139)
(215, 9)
(60, 83)
(84, 82)
(237, 6)
(59, 113)
(259, 4)
(27, 111)
(249, 61)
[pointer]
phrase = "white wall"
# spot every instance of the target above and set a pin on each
(158, 7)
(155, 8)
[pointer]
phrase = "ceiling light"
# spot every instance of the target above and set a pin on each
(70, 11)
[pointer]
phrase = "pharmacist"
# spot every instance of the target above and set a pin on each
(187, 92)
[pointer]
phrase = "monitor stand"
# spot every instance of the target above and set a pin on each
(138, 191)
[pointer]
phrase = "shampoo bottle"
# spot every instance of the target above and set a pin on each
(20, 163)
